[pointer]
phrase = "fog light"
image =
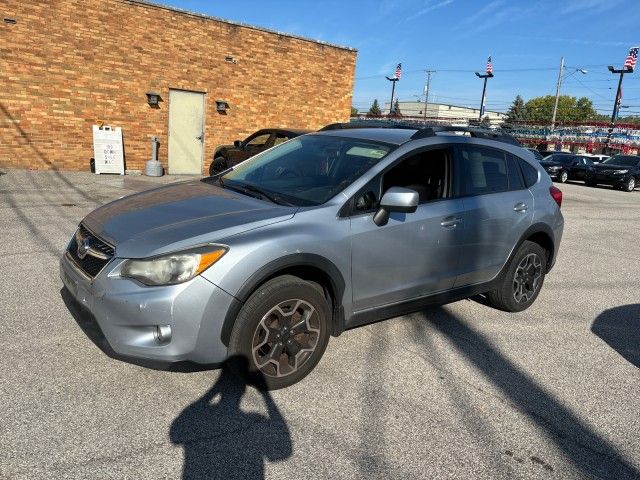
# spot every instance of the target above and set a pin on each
(162, 333)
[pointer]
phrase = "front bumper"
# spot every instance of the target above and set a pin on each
(554, 174)
(608, 179)
(127, 316)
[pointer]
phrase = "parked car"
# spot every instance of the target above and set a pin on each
(227, 156)
(596, 157)
(567, 166)
(326, 232)
(536, 154)
(546, 153)
(619, 171)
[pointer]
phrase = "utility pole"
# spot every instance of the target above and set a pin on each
(426, 94)
(618, 100)
(393, 81)
(555, 106)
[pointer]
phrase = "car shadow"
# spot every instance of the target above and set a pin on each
(619, 327)
(222, 441)
(587, 450)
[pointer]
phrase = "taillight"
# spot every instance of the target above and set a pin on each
(556, 194)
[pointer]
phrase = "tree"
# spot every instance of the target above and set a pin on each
(570, 109)
(517, 112)
(374, 111)
(395, 112)
(354, 111)
(485, 122)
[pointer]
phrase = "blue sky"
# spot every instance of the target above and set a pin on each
(454, 37)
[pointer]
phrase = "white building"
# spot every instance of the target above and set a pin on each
(455, 114)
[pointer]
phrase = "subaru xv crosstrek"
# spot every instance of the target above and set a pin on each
(323, 233)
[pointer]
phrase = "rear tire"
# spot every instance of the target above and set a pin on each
(520, 284)
(218, 165)
(282, 331)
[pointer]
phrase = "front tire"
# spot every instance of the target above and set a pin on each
(564, 176)
(630, 185)
(282, 331)
(520, 285)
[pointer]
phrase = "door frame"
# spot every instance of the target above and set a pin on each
(204, 124)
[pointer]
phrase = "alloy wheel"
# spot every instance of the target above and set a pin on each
(526, 279)
(564, 176)
(631, 184)
(285, 338)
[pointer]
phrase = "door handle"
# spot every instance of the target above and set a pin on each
(450, 222)
(520, 207)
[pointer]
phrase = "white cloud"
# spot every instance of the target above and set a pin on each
(429, 6)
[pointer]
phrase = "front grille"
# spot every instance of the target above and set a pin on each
(96, 258)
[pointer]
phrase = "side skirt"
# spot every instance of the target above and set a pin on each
(385, 312)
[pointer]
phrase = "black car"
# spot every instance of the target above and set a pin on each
(619, 171)
(227, 156)
(536, 154)
(567, 166)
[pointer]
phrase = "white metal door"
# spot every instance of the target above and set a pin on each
(186, 132)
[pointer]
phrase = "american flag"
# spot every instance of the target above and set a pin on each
(630, 61)
(489, 66)
(398, 71)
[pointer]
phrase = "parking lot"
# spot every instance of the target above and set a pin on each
(460, 391)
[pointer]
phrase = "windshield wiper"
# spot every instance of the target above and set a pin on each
(252, 188)
(253, 191)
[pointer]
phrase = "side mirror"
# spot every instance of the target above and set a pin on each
(396, 199)
(238, 144)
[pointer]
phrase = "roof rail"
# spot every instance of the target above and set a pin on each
(370, 124)
(426, 132)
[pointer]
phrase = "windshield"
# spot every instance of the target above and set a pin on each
(307, 170)
(622, 160)
(563, 159)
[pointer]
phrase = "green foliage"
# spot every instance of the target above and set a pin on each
(517, 112)
(485, 122)
(395, 112)
(374, 111)
(570, 109)
(354, 111)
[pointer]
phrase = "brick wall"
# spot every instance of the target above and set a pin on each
(66, 64)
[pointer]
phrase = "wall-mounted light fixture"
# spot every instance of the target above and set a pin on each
(222, 106)
(153, 99)
(10, 21)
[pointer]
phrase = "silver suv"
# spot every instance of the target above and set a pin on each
(323, 233)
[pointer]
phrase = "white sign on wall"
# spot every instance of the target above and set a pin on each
(107, 149)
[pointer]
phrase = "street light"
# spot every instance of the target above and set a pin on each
(562, 76)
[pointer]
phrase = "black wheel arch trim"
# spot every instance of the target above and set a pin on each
(529, 232)
(272, 269)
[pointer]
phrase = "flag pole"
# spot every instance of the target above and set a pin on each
(488, 74)
(393, 89)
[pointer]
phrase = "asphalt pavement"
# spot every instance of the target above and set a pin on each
(460, 391)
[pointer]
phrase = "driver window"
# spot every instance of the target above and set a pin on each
(424, 172)
(259, 141)
(280, 138)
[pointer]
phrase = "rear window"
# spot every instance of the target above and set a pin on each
(529, 173)
(484, 170)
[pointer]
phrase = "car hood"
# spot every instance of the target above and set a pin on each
(179, 216)
(610, 166)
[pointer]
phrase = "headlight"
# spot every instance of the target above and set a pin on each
(555, 168)
(172, 268)
(620, 172)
